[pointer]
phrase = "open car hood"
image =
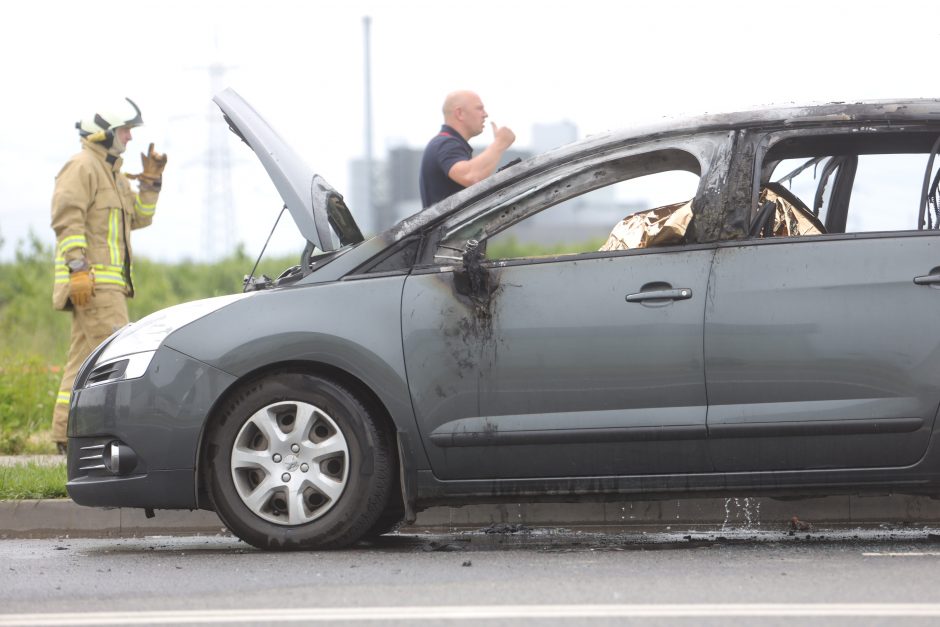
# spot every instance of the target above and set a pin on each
(318, 210)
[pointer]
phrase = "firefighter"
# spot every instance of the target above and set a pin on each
(94, 209)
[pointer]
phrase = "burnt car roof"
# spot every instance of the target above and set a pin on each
(794, 115)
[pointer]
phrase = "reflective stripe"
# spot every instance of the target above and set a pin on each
(104, 273)
(101, 267)
(64, 397)
(110, 280)
(142, 209)
(113, 275)
(61, 270)
(114, 224)
(72, 241)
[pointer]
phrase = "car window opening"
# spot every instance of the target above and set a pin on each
(849, 183)
(641, 201)
(928, 197)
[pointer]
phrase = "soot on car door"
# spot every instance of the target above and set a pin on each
(575, 362)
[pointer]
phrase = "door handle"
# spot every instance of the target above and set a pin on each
(671, 294)
(927, 279)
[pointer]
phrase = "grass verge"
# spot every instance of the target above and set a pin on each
(33, 481)
(28, 389)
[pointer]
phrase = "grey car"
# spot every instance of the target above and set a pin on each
(774, 330)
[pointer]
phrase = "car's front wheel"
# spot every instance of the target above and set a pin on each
(296, 461)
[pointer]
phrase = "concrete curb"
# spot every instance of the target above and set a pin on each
(59, 517)
(62, 517)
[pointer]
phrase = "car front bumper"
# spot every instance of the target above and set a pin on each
(134, 443)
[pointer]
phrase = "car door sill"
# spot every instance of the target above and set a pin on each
(570, 436)
(815, 428)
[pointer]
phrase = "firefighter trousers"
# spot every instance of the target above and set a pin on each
(91, 325)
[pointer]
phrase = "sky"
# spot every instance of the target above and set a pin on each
(598, 64)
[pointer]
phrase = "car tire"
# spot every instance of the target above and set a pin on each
(295, 461)
(390, 520)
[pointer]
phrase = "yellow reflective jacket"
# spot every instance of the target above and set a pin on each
(94, 210)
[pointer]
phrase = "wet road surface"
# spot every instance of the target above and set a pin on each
(501, 575)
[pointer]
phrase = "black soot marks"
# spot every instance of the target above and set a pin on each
(476, 288)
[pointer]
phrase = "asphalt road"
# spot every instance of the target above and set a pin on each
(875, 576)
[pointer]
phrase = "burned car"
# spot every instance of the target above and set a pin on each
(778, 342)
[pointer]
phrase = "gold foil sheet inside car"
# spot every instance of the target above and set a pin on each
(664, 226)
(654, 227)
(790, 218)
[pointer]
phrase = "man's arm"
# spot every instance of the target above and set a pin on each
(71, 199)
(478, 168)
(150, 181)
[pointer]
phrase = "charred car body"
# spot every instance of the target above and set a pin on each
(777, 343)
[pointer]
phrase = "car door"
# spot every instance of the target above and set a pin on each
(821, 351)
(560, 366)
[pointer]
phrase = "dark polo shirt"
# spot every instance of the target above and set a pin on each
(442, 152)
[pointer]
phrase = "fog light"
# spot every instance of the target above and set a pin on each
(119, 458)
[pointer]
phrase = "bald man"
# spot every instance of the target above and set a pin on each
(448, 164)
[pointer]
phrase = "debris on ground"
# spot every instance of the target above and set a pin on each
(443, 546)
(506, 528)
(798, 525)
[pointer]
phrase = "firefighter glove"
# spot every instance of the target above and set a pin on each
(81, 287)
(151, 179)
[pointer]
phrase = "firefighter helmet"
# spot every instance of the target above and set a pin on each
(100, 126)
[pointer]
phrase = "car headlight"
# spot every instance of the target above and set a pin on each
(130, 352)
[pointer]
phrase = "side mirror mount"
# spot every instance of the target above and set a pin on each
(471, 278)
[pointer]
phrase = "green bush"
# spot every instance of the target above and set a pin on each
(28, 323)
(510, 248)
(28, 387)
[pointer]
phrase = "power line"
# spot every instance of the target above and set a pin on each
(219, 223)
